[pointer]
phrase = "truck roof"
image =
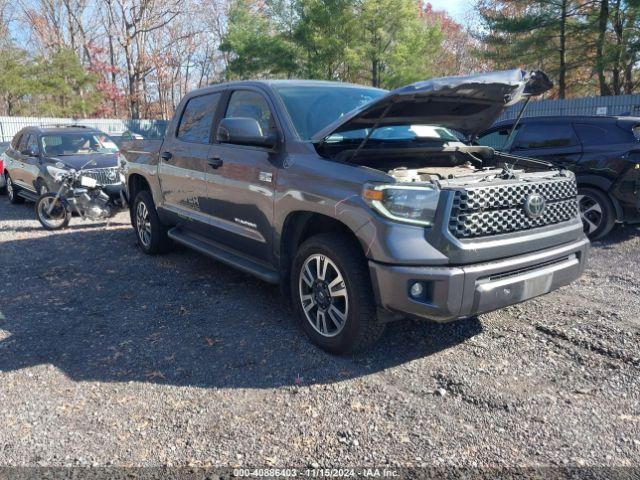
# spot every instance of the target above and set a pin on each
(273, 83)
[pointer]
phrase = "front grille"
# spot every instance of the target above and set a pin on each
(104, 176)
(491, 210)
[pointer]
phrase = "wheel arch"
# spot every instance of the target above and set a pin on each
(136, 183)
(298, 226)
(603, 184)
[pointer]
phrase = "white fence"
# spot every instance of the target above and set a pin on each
(9, 126)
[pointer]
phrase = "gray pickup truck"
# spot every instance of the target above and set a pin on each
(366, 206)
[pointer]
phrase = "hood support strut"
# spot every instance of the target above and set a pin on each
(364, 141)
(518, 118)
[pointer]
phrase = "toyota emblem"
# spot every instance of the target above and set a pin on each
(534, 205)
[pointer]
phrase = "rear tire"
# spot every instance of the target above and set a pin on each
(597, 212)
(151, 234)
(336, 308)
(13, 191)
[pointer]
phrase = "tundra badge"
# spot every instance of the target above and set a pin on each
(266, 176)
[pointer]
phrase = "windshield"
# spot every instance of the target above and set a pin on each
(400, 133)
(64, 144)
(312, 108)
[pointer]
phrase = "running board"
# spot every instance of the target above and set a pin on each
(27, 195)
(223, 254)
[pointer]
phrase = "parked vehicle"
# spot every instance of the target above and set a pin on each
(79, 193)
(3, 182)
(603, 152)
(36, 152)
(360, 203)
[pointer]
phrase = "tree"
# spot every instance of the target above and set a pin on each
(617, 45)
(461, 52)
(543, 33)
(398, 46)
(63, 86)
(135, 20)
(324, 33)
(14, 79)
(256, 48)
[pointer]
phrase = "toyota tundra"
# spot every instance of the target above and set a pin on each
(365, 205)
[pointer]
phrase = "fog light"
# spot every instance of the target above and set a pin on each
(417, 289)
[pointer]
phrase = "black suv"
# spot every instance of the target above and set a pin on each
(36, 154)
(603, 152)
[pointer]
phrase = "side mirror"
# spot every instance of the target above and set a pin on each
(244, 131)
(30, 152)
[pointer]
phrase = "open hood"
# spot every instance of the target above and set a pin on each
(465, 104)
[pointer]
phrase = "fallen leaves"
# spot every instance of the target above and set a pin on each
(210, 342)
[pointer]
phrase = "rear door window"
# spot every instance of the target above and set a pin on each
(603, 134)
(197, 120)
(546, 135)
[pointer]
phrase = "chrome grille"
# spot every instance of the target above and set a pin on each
(491, 210)
(104, 176)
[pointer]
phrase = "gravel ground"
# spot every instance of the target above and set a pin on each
(111, 357)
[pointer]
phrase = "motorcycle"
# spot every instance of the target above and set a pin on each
(78, 194)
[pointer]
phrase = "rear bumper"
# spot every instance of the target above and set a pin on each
(463, 291)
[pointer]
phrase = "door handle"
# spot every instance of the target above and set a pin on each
(166, 156)
(215, 162)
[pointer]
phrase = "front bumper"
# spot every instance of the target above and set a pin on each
(464, 291)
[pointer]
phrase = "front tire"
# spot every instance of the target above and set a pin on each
(58, 218)
(150, 232)
(13, 191)
(331, 291)
(597, 212)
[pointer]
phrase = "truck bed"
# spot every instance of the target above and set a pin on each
(142, 151)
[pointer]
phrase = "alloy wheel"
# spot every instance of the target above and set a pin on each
(590, 212)
(143, 224)
(323, 294)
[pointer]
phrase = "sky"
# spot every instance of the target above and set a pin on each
(458, 9)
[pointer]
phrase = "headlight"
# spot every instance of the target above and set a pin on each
(409, 204)
(56, 173)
